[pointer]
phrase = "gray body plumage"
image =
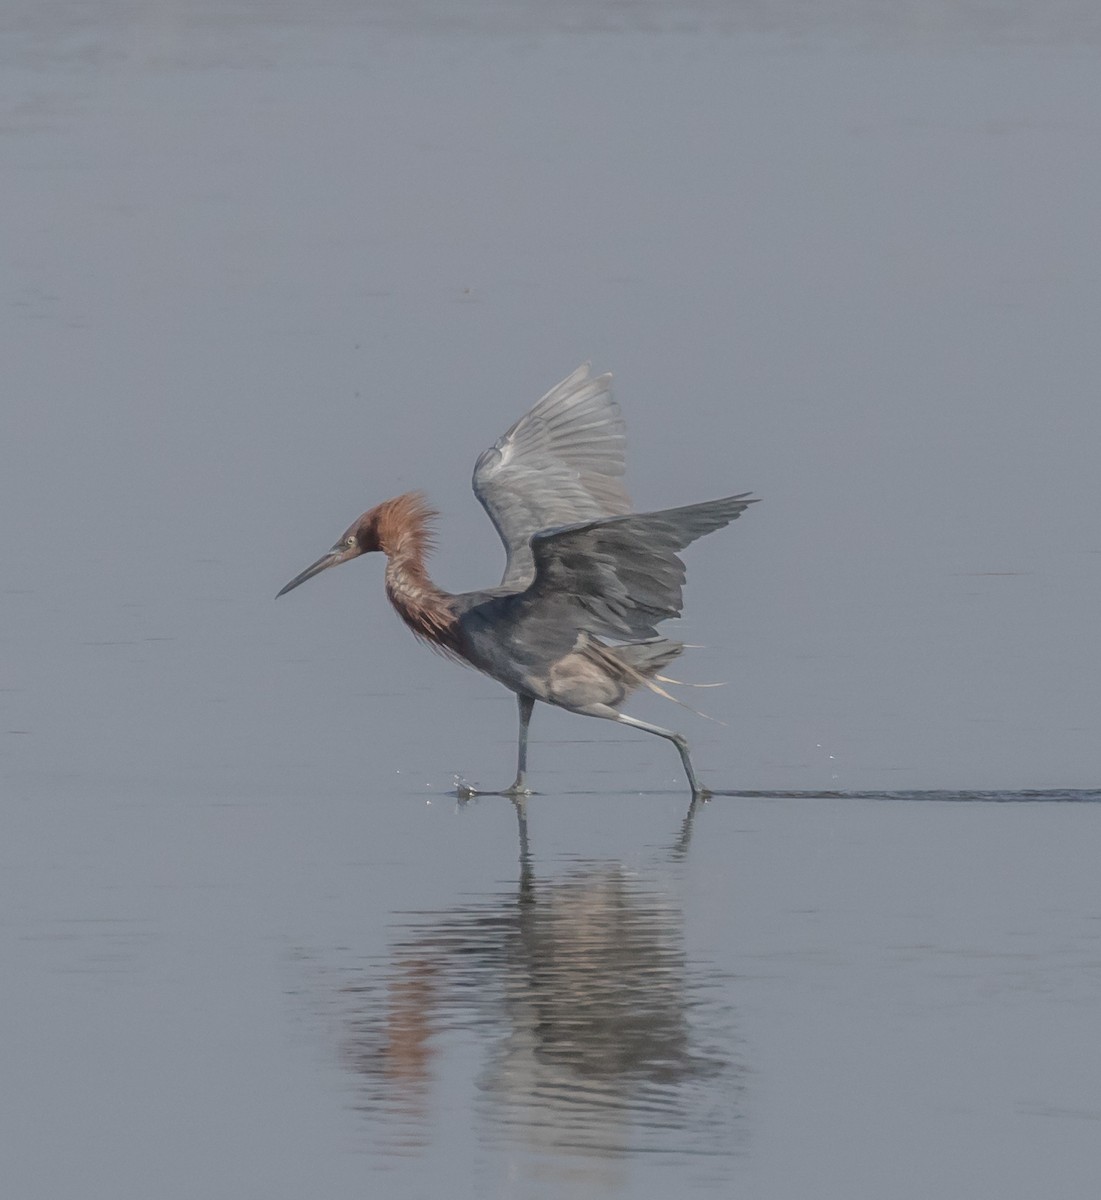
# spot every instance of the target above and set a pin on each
(580, 565)
(614, 578)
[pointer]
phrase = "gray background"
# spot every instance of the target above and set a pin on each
(266, 265)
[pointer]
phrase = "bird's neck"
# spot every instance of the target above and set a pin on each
(423, 606)
(404, 531)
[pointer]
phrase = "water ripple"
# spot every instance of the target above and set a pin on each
(1026, 796)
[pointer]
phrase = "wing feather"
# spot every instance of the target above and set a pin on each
(560, 464)
(624, 572)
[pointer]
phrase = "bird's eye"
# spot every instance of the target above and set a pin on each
(350, 541)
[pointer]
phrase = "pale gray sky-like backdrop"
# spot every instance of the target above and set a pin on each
(265, 265)
(261, 277)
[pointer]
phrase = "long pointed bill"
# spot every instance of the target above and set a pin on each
(332, 559)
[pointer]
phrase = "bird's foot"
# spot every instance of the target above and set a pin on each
(518, 790)
(702, 793)
(464, 790)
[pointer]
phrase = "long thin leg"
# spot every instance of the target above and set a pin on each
(520, 787)
(678, 740)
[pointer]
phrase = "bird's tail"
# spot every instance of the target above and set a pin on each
(637, 664)
(643, 660)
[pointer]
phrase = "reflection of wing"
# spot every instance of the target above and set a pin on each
(560, 464)
(623, 573)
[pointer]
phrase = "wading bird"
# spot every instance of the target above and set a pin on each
(581, 567)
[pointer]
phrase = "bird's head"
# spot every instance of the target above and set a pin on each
(361, 537)
(401, 526)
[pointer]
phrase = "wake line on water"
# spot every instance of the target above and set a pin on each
(1025, 796)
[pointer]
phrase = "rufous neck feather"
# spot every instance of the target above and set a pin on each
(406, 537)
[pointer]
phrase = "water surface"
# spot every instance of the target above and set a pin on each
(265, 266)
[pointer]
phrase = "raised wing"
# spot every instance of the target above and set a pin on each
(623, 573)
(561, 464)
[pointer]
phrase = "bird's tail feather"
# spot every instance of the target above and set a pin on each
(637, 664)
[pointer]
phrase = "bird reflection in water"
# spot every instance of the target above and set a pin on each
(598, 1037)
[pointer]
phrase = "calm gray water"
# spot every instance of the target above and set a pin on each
(268, 264)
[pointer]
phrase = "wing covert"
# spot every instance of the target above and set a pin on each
(624, 573)
(560, 464)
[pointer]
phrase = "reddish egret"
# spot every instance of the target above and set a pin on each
(581, 567)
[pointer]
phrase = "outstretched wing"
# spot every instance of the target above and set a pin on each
(623, 573)
(560, 464)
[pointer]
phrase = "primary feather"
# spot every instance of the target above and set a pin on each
(560, 464)
(623, 573)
